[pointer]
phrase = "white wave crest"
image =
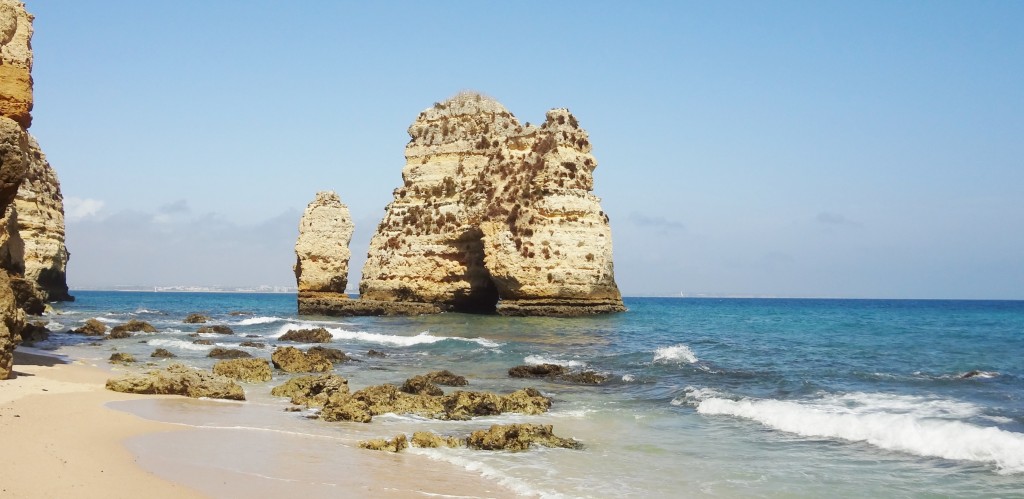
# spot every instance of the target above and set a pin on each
(536, 360)
(676, 353)
(180, 344)
(914, 425)
(54, 326)
(628, 378)
(424, 338)
(108, 320)
(252, 321)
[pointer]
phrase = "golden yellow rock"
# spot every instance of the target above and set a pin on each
(15, 62)
(494, 216)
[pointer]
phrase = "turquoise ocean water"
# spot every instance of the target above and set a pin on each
(706, 397)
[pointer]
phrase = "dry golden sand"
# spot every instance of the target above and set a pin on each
(59, 439)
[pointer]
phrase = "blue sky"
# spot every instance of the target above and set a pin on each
(837, 149)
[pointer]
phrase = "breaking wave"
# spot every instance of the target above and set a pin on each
(536, 360)
(677, 353)
(180, 344)
(916, 425)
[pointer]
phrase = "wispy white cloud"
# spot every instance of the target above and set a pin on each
(76, 208)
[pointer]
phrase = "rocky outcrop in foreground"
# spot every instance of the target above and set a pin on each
(178, 379)
(511, 437)
(493, 216)
(331, 392)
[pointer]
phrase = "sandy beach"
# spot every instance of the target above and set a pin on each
(72, 442)
(64, 442)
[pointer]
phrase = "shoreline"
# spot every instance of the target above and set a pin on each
(170, 446)
(68, 442)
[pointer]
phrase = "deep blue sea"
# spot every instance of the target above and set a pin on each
(706, 397)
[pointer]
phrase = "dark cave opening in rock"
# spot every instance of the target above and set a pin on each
(482, 297)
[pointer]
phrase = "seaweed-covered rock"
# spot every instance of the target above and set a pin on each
(332, 354)
(132, 326)
(92, 327)
(218, 329)
(536, 371)
(228, 353)
(396, 444)
(525, 401)
(248, 370)
(461, 405)
(446, 378)
(178, 379)
(202, 342)
(517, 437)
(375, 353)
(557, 372)
(343, 407)
(196, 318)
(252, 344)
(421, 385)
(122, 358)
(162, 353)
(317, 335)
(293, 360)
(430, 440)
(311, 391)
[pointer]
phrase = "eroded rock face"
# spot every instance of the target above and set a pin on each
(16, 62)
(178, 379)
(494, 216)
(248, 370)
(311, 391)
(35, 230)
(321, 251)
(12, 320)
(293, 360)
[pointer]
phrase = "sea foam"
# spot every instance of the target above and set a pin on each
(424, 338)
(914, 425)
(675, 354)
(258, 320)
(184, 345)
(536, 360)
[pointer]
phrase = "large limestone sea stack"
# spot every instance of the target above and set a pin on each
(32, 252)
(494, 216)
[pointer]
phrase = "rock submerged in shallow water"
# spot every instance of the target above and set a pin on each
(317, 335)
(252, 344)
(248, 370)
(178, 379)
(430, 440)
(228, 353)
(400, 442)
(162, 353)
(202, 342)
(196, 318)
(293, 360)
(132, 326)
(511, 437)
(122, 358)
(375, 353)
(421, 385)
(218, 329)
(557, 372)
(311, 391)
(92, 327)
(518, 437)
(332, 354)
